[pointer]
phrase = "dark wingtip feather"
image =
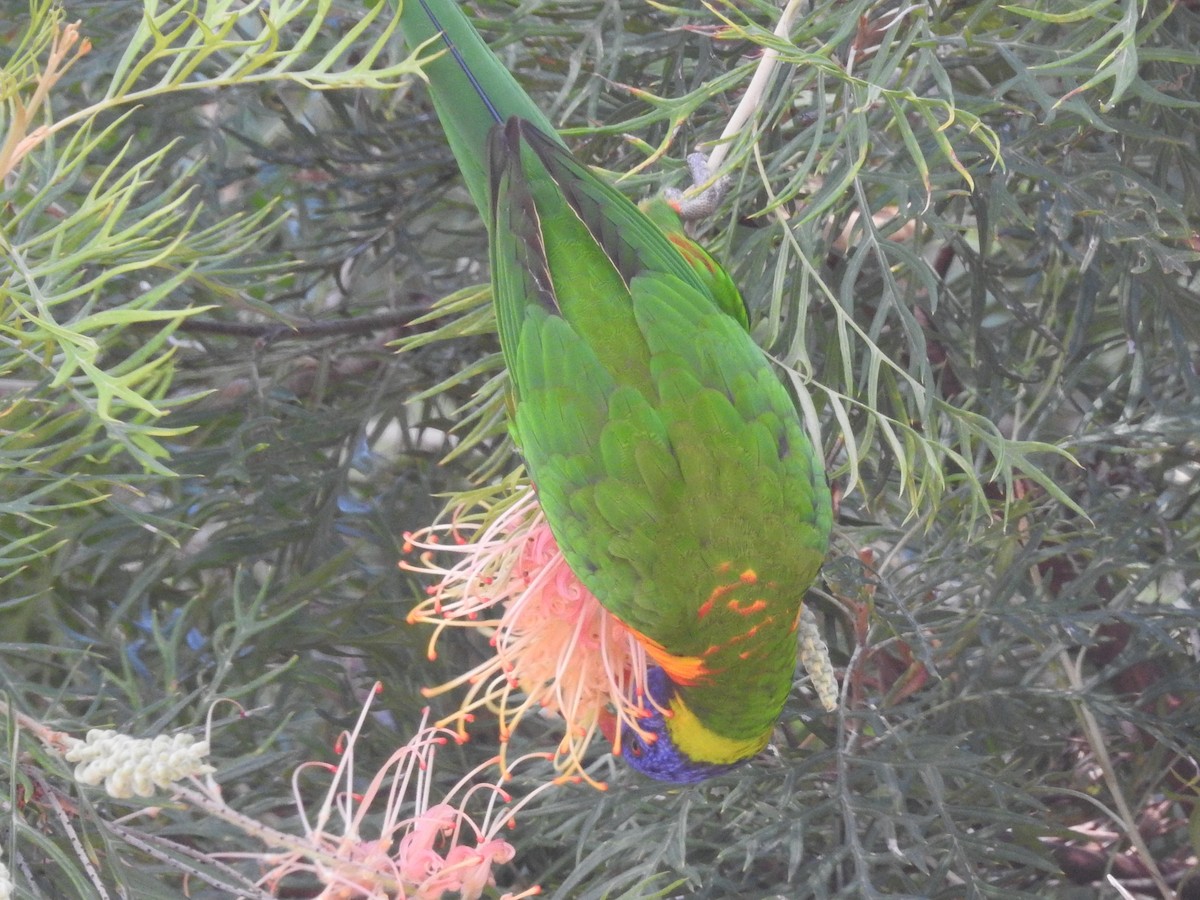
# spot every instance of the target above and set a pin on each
(514, 212)
(632, 242)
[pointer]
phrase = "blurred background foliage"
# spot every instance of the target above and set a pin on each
(968, 229)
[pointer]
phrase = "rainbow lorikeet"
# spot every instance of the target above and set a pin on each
(669, 460)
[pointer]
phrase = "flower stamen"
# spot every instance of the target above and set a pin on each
(555, 648)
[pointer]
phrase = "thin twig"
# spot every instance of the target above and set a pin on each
(148, 844)
(1095, 738)
(297, 331)
(756, 90)
(51, 795)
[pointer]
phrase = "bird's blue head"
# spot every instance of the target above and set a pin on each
(657, 755)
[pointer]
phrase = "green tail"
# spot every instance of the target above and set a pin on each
(471, 89)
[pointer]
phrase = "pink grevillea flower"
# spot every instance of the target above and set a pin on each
(389, 840)
(555, 647)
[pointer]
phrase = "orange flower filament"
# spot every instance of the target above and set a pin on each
(388, 839)
(555, 647)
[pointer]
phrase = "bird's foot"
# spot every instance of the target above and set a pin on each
(814, 656)
(703, 204)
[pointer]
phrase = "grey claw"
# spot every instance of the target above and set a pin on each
(705, 203)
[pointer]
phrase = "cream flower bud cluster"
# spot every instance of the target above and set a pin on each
(129, 765)
(6, 883)
(814, 656)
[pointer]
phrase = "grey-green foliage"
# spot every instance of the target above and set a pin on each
(970, 228)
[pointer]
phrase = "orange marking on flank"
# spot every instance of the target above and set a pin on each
(680, 669)
(758, 605)
(748, 577)
(720, 591)
(686, 248)
(748, 634)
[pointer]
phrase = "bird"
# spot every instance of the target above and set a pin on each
(669, 460)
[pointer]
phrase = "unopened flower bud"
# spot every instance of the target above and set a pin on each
(6, 882)
(131, 766)
(814, 655)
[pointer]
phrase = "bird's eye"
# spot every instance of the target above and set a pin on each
(635, 749)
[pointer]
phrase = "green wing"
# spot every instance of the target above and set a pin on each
(669, 459)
